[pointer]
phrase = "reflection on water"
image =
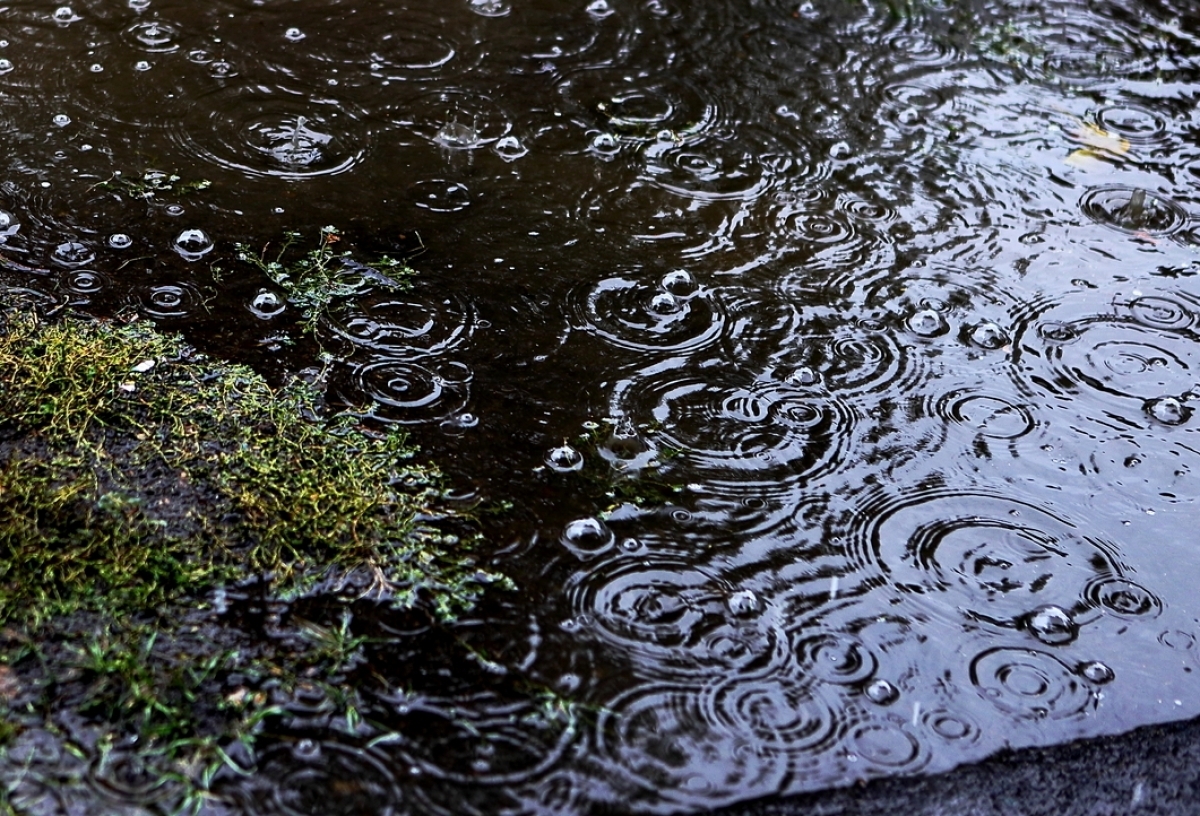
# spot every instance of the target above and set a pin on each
(898, 297)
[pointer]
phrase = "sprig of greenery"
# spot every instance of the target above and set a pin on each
(320, 279)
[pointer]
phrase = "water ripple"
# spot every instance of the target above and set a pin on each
(271, 132)
(977, 557)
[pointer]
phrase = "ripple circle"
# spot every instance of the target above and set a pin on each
(1029, 684)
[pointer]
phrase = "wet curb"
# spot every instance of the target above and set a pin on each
(1152, 771)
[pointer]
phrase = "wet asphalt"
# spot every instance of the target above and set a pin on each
(1152, 771)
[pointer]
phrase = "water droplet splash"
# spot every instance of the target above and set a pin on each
(564, 459)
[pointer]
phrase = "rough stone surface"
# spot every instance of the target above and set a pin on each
(1153, 771)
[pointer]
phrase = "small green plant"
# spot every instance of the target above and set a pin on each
(150, 184)
(318, 280)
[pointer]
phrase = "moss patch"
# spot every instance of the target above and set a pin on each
(137, 479)
(135, 472)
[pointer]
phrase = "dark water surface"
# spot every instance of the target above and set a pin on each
(901, 298)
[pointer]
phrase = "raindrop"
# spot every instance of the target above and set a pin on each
(460, 422)
(605, 144)
(72, 254)
(1123, 597)
(85, 282)
(1096, 672)
(490, 8)
(1028, 684)
(989, 336)
(1133, 210)
(881, 692)
(193, 244)
(294, 35)
(456, 134)
(61, 119)
(1052, 625)
(1169, 410)
(744, 603)
(441, 195)
(510, 148)
(928, 323)
(266, 304)
(1055, 332)
(119, 240)
(564, 459)
(803, 376)
(8, 224)
(839, 659)
(599, 8)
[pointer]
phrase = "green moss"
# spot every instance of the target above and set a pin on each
(136, 474)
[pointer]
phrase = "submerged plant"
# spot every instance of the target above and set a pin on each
(318, 280)
(150, 184)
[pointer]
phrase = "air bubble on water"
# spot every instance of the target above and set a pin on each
(294, 35)
(600, 8)
(490, 8)
(460, 422)
(174, 210)
(803, 376)
(61, 119)
(95, 67)
(119, 240)
(510, 148)
(1169, 410)
(989, 336)
(744, 603)
(665, 303)
(840, 151)
(65, 14)
(679, 283)
(5, 66)
(193, 244)
(1096, 672)
(139, 5)
(141, 65)
(1052, 625)
(605, 144)
(881, 692)
(928, 323)
(266, 304)
(8, 223)
(72, 253)
(587, 536)
(564, 459)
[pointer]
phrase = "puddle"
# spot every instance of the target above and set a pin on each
(834, 367)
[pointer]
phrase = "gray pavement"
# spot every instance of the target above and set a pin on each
(1153, 771)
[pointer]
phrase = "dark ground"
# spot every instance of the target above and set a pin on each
(1153, 771)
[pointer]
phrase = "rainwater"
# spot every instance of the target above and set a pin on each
(836, 361)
